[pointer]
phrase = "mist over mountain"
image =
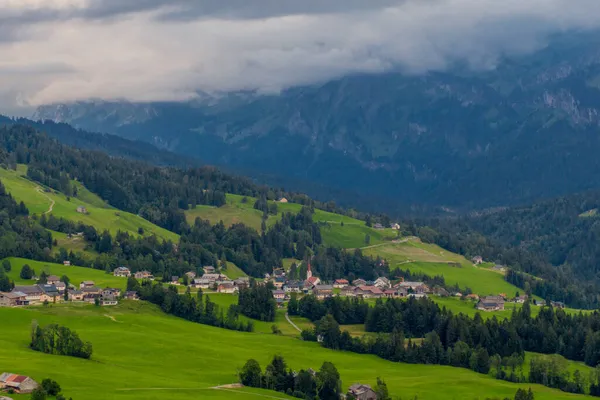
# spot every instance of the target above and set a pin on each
(525, 130)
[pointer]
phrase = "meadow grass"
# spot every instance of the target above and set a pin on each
(101, 216)
(76, 244)
(75, 274)
(141, 353)
(233, 271)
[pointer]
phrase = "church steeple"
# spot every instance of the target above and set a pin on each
(308, 272)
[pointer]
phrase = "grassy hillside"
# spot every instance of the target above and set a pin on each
(99, 214)
(140, 353)
(75, 274)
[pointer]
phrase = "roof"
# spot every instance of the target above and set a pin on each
(372, 289)
(313, 279)
(410, 284)
(382, 278)
(13, 294)
(53, 278)
(88, 283)
(341, 281)
(121, 269)
(31, 289)
(278, 292)
(49, 289)
(359, 388)
(12, 379)
(323, 287)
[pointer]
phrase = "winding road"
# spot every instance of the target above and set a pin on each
(293, 324)
(52, 202)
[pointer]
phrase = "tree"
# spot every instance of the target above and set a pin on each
(65, 279)
(97, 301)
(250, 375)
(26, 272)
(43, 278)
(367, 239)
(329, 385)
(38, 394)
(66, 295)
(5, 283)
(51, 387)
(381, 390)
(328, 328)
(6, 265)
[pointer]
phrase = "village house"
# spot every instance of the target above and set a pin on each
(472, 296)
(307, 287)
(359, 282)
(283, 200)
(111, 292)
(226, 287)
(82, 210)
(378, 226)
(76, 295)
(361, 392)
(477, 260)
(279, 281)
(414, 287)
(242, 282)
(278, 272)
(104, 302)
(19, 383)
(174, 280)
(540, 303)
(92, 290)
(382, 282)
(340, 283)
(292, 287)
(395, 293)
(52, 280)
(67, 263)
(323, 291)
(368, 292)
(86, 284)
(279, 294)
(13, 299)
(491, 303)
(348, 291)
(209, 269)
(499, 268)
(61, 287)
(440, 291)
(201, 283)
(214, 277)
(521, 299)
(313, 281)
(143, 275)
(557, 304)
(123, 272)
(33, 293)
(191, 275)
(50, 293)
(131, 295)
(395, 226)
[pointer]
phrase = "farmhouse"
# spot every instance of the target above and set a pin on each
(191, 275)
(13, 299)
(209, 269)
(383, 283)
(359, 282)
(111, 292)
(67, 263)
(491, 303)
(174, 280)
(50, 293)
(82, 210)
(521, 299)
(499, 268)
(340, 283)
(323, 291)
(143, 275)
(108, 302)
(33, 293)
(477, 260)
(227, 287)
(201, 283)
(242, 282)
(283, 200)
(395, 226)
(278, 272)
(214, 277)
(19, 383)
(92, 290)
(395, 293)
(292, 287)
(349, 291)
(52, 280)
(123, 272)
(369, 292)
(440, 291)
(557, 304)
(86, 284)
(361, 392)
(131, 295)
(279, 294)
(378, 226)
(75, 295)
(279, 281)
(414, 287)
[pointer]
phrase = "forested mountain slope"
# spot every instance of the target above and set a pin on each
(522, 131)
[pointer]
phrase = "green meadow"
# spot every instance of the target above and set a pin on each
(141, 353)
(75, 274)
(41, 200)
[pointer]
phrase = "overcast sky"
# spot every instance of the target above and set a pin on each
(145, 50)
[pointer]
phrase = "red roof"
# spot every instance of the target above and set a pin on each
(19, 378)
(313, 280)
(389, 291)
(341, 281)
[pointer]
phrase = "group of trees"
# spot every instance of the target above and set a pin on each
(59, 340)
(197, 308)
(257, 302)
(6, 284)
(324, 384)
(48, 388)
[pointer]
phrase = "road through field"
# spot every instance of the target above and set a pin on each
(52, 202)
(293, 324)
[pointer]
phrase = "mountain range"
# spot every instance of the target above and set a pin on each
(459, 139)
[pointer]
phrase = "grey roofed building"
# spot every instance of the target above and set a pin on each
(50, 290)
(28, 289)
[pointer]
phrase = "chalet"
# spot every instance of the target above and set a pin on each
(143, 275)
(541, 303)
(521, 299)
(75, 295)
(278, 272)
(242, 283)
(111, 293)
(499, 268)
(359, 282)
(174, 280)
(18, 383)
(472, 296)
(191, 275)
(477, 260)
(67, 263)
(215, 277)
(349, 291)
(82, 210)
(209, 269)
(201, 283)
(226, 287)
(491, 303)
(395, 226)
(378, 226)
(52, 280)
(61, 287)
(33, 293)
(340, 283)
(91, 298)
(50, 293)
(123, 272)
(86, 284)
(283, 200)
(440, 291)
(279, 281)
(361, 392)
(395, 293)
(382, 283)
(279, 294)
(323, 291)
(108, 302)
(369, 292)
(131, 295)
(92, 290)
(13, 299)
(292, 287)
(414, 287)
(557, 304)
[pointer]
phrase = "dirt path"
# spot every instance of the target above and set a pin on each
(250, 393)
(293, 324)
(52, 202)
(395, 241)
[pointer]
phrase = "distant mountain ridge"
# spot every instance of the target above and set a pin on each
(524, 131)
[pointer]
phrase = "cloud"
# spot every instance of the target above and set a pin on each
(158, 50)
